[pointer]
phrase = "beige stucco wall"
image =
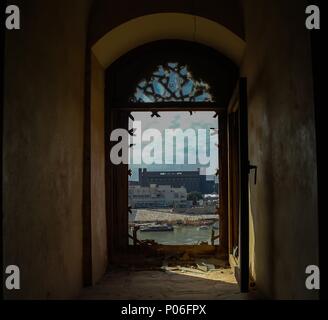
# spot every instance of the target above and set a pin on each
(98, 209)
(43, 148)
(282, 144)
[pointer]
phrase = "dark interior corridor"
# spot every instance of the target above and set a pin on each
(75, 73)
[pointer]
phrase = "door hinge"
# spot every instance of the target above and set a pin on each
(253, 167)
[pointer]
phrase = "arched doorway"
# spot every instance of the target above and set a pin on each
(114, 45)
(171, 68)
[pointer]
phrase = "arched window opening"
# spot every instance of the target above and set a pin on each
(172, 83)
(185, 88)
(169, 74)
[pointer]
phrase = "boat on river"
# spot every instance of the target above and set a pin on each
(157, 228)
(204, 227)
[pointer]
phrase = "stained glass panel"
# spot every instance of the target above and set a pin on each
(172, 82)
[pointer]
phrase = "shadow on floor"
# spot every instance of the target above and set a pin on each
(165, 285)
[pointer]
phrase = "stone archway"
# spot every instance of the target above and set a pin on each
(161, 26)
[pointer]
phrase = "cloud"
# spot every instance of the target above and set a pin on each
(182, 120)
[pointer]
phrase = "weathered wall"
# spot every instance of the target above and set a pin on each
(282, 144)
(43, 148)
(98, 209)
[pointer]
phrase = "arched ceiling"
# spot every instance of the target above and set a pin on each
(153, 27)
(106, 15)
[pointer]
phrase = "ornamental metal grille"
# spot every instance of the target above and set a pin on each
(172, 82)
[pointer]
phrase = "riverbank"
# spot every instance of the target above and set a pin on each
(140, 216)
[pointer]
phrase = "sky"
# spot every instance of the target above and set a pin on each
(203, 146)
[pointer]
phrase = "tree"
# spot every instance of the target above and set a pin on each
(194, 196)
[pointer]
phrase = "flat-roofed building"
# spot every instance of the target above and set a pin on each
(191, 180)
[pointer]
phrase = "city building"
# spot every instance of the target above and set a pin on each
(191, 180)
(154, 196)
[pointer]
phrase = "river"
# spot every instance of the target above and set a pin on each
(182, 235)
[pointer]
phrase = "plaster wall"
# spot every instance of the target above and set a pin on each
(283, 204)
(98, 208)
(43, 148)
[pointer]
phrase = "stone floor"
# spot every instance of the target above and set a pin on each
(167, 284)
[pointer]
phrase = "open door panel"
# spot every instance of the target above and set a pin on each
(238, 185)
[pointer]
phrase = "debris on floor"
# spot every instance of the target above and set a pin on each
(205, 266)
